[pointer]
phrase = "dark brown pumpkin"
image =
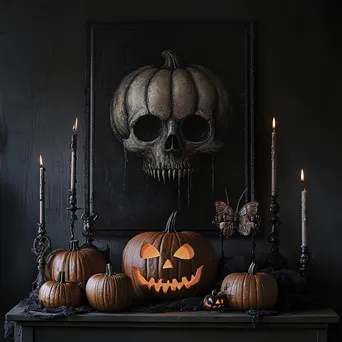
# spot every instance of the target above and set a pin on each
(79, 264)
(112, 292)
(54, 294)
(250, 290)
(169, 264)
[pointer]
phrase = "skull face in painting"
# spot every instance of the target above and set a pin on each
(168, 115)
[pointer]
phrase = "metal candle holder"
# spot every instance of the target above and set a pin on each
(304, 263)
(275, 259)
(72, 208)
(89, 229)
(41, 244)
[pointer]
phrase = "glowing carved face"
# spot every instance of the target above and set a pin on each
(215, 301)
(170, 264)
(184, 252)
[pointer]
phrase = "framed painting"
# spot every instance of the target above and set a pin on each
(170, 122)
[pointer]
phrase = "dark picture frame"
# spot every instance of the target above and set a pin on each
(113, 188)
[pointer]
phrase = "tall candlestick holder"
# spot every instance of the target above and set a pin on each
(72, 208)
(89, 229)
(275, 259)
(304, 263)
(41, 248)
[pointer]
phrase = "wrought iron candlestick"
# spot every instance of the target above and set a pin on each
(41, 248)
(275, 259)
(88, 229)
(72, 208)
(41, 244)
(304, 263)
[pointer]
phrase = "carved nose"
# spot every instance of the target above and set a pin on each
(168, 264)
(172, 143)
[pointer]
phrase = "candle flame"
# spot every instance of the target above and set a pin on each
(74, 127)
(273, 123)
(41, 160)
(302, 175)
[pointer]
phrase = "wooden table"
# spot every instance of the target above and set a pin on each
(202, 326)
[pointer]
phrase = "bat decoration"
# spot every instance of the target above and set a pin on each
(245, 221)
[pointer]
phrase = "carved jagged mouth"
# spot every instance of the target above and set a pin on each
(169, 174)
(173, 285)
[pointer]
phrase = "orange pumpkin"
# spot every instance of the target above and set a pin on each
(112, 292)
(250, 290)
(79, 264)
(54, 294)
(169, 264)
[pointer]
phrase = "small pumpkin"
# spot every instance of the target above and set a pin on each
(250, 290)
(215, 301)
(79, 264)
(53, 294)
(170, 264)
(111, 292)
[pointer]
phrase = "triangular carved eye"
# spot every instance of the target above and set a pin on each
(185, 252)
(148, 251)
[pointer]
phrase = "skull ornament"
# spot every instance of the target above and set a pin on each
(168, 115)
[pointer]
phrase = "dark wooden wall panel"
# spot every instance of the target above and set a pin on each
(42, 48)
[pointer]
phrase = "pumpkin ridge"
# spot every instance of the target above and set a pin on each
(178, 237)
(242, 291)
(205, 72)
(195, 89)
(86, 272)
(147, 87)
(160, 270)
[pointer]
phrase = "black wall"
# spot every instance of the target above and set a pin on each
(42, 47)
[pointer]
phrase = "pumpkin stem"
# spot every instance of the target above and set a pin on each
(171, 223)
(171, 60)
(252, 268)
(109, 270)
(61, 277)
(73, 246)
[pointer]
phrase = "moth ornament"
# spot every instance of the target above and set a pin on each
(245, 221)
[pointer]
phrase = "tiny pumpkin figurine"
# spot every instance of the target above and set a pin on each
(250, 290)
(78, 263)
(54, 294)
(168, 264)
(215, 301)
(111, 292)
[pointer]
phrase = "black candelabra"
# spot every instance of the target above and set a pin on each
(41, 244)
(304, 263)
(88, 229)
(275, 259)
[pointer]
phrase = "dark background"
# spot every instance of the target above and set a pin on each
(42, 81)
(139, 203)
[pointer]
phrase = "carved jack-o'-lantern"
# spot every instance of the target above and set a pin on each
(169, 114)
(170, 264)
(215, 301)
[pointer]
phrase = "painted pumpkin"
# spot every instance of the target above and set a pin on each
(250, 290)
(54, 294)
(170, 264)
(170, 114)
(109, 291)
(215, 301)
(79, 264)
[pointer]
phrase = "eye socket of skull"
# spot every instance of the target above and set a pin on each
(147, 128)
(195, 128)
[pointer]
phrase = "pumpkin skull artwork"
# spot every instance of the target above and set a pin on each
(170, 264)
(168, 115)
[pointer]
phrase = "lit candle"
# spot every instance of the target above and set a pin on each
(73, 156)
(41, 192)
(274, 160)
(304, 219)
